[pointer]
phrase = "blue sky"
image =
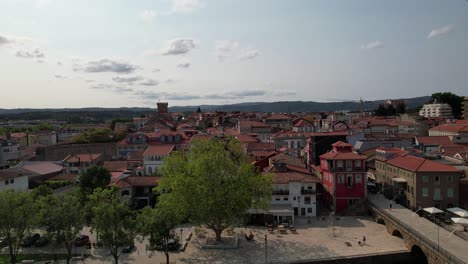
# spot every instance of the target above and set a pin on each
(111, 53)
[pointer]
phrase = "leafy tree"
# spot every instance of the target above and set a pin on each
(455, 101)
(157, 224)
(19, 215)
(213, 184)
(94, 177)
(63, 217)
(112, 220)
(401, 108)
(41, 191)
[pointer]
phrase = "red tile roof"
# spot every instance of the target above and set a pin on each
(279, 116)
(342, 156)
(324, 134)
(82, 158)
(436, 140)
(451, 128)
(250, 123)
(115, 165)
(341, 144)
(292, 176)
(159, 150)
(413, 163)
(141, 181)
(245, 138)
(303, 123)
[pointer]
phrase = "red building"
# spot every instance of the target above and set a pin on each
(343, 176)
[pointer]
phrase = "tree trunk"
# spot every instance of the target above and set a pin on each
(218, 234)
(116, 259)
(167, 257)
(69, 251)
(12, 255)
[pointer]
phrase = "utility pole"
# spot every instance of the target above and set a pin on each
(266, 251)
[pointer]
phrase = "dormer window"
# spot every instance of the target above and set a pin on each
(162, 138)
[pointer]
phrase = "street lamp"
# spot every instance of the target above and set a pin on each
(266, 250)
(181, 237)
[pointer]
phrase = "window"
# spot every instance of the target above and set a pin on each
(340, 178)
(358, 178)
(349, 164)
(285, 199)
(357, 163)
(436, 180)
(425, 179)
(349, 180)
(277, 199)
(450, 193)
(425, 192)
(12, 181)
(309, 210)
(306, 200)
(6, 182)
(437, 196)
(339, 164)
(449, 178)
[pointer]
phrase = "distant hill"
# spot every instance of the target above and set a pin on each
(95, 114)
(299, 106)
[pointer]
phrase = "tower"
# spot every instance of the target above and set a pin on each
(162, 108)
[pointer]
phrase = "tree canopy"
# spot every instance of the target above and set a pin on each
(112, 220)
(95, 177)
(19, 215)
(455, 101)
(213, 184)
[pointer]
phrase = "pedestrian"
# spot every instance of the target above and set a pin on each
(390, 205)
(364, 240)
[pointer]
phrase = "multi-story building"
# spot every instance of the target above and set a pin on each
(261, 130)
(417, 182)
(279, 121)
(15, 179)
(295, 189)
(9, 150)
(436, 110)
(131, 143)
(319, 143)
(459, 132)
(80, 163)
(303, 125)
(343, 176)
(153, 157)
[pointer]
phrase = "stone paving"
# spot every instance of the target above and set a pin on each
(317, 240)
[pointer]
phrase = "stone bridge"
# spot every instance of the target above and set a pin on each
(428, 242)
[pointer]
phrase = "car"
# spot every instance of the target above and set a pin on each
(30, 240)
(128, 249)
(42, 241)
(81, 240)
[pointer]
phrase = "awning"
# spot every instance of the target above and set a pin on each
(458, 211)
(398, 180)
(275, 209)
(433, 210)
(459, 220)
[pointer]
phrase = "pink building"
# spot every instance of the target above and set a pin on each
(343, 176)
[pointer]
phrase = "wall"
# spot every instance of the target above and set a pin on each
(19, 184)
(60, 152)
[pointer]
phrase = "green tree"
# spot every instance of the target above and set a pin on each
(63, 217)
(94, 177)
(112, 220)
(213, 184)
(401, 108)
(157, 224)
(19, 215)
(41, 191)
(455, 101)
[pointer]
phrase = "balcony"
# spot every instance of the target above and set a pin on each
(280, 192)
(308, 191)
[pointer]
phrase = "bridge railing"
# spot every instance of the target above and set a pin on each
(452, 258)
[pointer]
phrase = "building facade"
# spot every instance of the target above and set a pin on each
(436, 110)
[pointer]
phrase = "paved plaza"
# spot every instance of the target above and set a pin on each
(317, 240)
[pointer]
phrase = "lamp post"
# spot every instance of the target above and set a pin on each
(181, 237)
(266, 250)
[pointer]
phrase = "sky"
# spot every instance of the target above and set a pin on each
(133, 53)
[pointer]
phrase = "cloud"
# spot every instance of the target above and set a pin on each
(185, 6)
(148, 15)
(36, 53)
(166, 96)
(225, 48)
(40, 61)
(245, 93)
(106, 65)
(59, 63)
(169, 80)
(183, 65)
(111, 87)
(248, 54)
(101, 86)
(4, 40)
(58, 76)
(122, 89)
(437, 32)
(178, 46)
(150, 82)
(373, 45)
(90, 81)
(127, 79)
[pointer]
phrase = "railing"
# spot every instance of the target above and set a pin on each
(308, 191)
(280, 192)
(417, 235)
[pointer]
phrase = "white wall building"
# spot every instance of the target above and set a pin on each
(14, 179)
(153, 157)
(436, 110)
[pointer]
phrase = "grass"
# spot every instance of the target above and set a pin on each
(5, 259)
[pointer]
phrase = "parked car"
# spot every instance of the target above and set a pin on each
(81, 240)
(30, 240)
(128, 248)
(42, 241)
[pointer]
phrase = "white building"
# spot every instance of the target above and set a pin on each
(153, 157)
(436, 110)
(9, 150)
(294, 192)
(15, 179)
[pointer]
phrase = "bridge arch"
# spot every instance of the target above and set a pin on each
(397, 233)
(418, 255)
(380, 221)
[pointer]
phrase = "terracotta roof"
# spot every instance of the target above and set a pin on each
(255, 146)
(65, 176)
(413, 163)
(245, 138)
(141, 181)
(288, 160)
(115, 165)
(82, 158)
(136, 155)
(250, 123)
(158, 150)
(342, 156)
(451, 128)
(435, 140)
(462, 122)
(303, 123)
(341, 144)
(292, 176)
(12, 173)
(40, 167)
(324, 134)
(279, 116)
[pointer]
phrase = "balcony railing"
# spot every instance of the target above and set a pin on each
(281, 192)
(308, 191)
